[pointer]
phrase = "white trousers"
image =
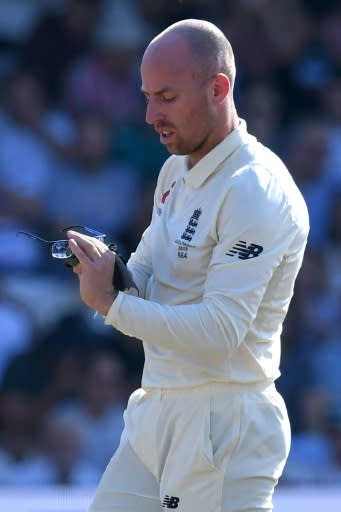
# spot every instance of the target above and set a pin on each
(214, 448)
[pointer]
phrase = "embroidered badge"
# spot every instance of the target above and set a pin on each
(187, 235)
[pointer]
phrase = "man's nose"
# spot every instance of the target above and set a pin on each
(153, 113)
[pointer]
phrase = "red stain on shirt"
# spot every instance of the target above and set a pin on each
(166, 194)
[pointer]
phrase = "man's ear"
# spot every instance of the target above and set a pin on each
(221, 87)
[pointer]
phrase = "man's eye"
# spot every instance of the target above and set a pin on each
(168, 99)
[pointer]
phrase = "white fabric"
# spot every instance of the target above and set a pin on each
(213, 448)
(210, 315)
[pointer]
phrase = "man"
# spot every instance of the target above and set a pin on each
(215, 272)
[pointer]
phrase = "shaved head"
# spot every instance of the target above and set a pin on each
(188, 73)
(210, 51)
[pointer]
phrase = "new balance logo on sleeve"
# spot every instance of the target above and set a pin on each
(170, 502)
(244, 251)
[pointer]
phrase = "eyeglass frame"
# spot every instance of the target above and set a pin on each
(69, 257)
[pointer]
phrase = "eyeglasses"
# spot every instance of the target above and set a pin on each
(60, 248)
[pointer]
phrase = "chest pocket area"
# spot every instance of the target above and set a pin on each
(193, 251)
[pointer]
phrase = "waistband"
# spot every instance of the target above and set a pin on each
(211, 387)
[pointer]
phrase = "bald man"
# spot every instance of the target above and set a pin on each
(215, 271)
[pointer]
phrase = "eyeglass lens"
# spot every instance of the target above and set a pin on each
(60, 249)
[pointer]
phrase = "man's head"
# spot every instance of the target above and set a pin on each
(188, 73)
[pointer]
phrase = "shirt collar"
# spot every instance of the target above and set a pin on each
(209, 163)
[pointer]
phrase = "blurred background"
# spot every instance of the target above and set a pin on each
(74, 149)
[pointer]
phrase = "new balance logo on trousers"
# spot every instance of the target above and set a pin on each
(170, 502)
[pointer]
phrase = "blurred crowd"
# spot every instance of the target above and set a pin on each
(75, 150)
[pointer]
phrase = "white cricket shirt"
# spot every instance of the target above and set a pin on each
(216, 267)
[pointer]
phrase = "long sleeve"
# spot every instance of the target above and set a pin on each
(217, 297)
(140, 265)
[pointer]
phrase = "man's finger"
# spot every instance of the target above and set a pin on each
(85, 239)
(77, 269)
(81, 254)
(87, 244)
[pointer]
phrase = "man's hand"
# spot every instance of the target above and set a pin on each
(95, 271)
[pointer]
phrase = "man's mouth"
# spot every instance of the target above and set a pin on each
(165, 135)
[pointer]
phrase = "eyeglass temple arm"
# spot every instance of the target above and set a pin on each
(89, 230)
(35, 237)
